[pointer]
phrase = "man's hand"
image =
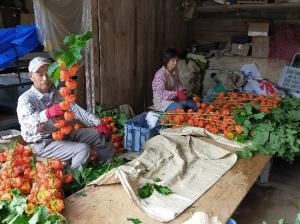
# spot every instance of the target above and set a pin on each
(54, 111)
(104, 130)
(181, 95)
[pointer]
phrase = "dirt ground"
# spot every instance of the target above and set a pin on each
(279, 199)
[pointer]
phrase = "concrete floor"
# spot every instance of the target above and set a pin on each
(279, 199)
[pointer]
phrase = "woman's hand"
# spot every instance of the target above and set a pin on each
(181, 95)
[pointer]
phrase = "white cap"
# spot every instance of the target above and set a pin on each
(36, 63)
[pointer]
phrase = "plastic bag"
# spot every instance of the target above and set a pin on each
(251, 71)
(57, 18)
(260, 87)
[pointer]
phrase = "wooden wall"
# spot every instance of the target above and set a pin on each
(220, 26)
(129, 37)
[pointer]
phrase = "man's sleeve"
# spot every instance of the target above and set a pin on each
(86, 117)
(29, 119)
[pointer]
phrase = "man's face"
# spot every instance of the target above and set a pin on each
(40, 79)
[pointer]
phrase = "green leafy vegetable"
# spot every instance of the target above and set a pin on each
(275, 133)
(87, 174)
(283, 221)
(71, 56)
(12, 212)
(162, 189)
(134, 220)
(246, 153)
(157, 179)
(146, 191)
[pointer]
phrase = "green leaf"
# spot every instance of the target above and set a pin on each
(52, 67)
(264, 222)
(258, 116)
(240, 117)
(240, 138)
(162, 189)
(297, 219)
(146, 191)
(246, 153)
(134, 220)
(70, 40)
(40, 216)
(2, 204)
(55, 77)
(55, 219)
(294, 115)
(248, 108)
(81, 193)
(20, 219)
(157, 179)
(261, 133)
(282, 221)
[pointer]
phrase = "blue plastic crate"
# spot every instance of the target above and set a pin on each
(137, 132)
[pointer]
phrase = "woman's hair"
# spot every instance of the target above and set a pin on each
(168, 55)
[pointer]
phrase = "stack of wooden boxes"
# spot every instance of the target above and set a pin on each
(260, 39)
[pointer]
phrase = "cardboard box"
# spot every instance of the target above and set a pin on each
(260, 47)
(258, 29)
(27, 19)
(290, 78)
(240, 49)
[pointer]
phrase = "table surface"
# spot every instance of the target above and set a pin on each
(110, 204)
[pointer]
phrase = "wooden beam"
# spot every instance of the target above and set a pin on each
(249, 7)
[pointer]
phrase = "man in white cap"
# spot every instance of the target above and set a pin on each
(37, 108)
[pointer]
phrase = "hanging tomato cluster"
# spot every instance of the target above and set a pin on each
(41, 182)
(64, 124)
(117, 139)
(218, 117)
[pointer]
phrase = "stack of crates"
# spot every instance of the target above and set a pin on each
(137, 132)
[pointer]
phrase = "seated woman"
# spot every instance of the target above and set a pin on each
(168, 93)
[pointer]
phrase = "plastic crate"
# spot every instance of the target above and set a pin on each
(231, 221)
(137, 132)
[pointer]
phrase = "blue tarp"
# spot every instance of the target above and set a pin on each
(16, 42)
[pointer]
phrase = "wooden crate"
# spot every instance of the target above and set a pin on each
(252, 1)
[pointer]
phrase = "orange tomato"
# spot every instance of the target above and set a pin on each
(222, 94)
(203, 105)
(70, 98)
(234, 95)
(67, 129)
(71, 84)
(191, 122)
(64, 105)
(64, 91)
(57, 205)
(57, 136)
(68, 178)
(68, 115)
(239, 129)
(228, 134)
(64, 75)
(25, 188)
(264, 109)
(59, 123)
(77, 126)
(73, 70)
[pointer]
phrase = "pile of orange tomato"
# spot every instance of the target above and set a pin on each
(218, 117)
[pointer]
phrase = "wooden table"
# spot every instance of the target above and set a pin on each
(111, 205)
